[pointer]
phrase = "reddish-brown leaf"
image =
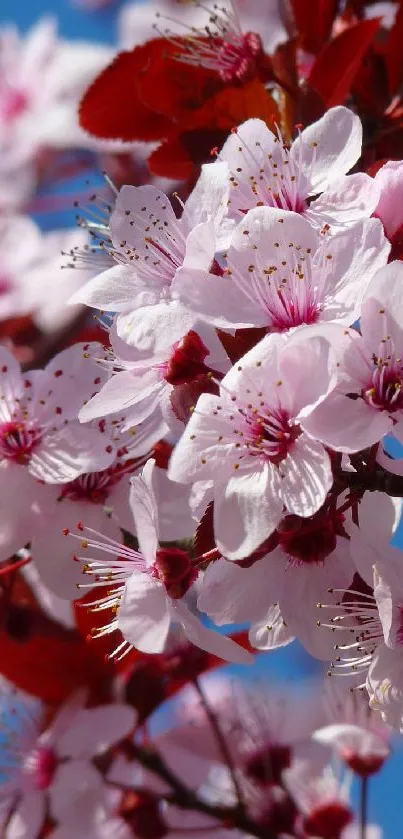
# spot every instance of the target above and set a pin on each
(394, 53)
(338, 63)
(112, 107)
(180, 155)
(314, 20)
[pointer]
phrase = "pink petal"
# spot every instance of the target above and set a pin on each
(306, 477)
(389, 180)
(271, 632)
(70, 452)
(94, 730)
(208, 639)
(349, 199)
(246, 511)
(144, 617)
(115, 290)
(145, 512)
(27, 820)
(231, 594)
(329, 147)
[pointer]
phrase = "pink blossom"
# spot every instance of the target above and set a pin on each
(41, 81)
(280, 273)
(233, 21)
(149, 244)
(148, 585)
(250, 441)
(144, 381)
(311, 556)
(367, 402)
(354, 731)
(322, 799)
(39, 433)
(33, 279)
(51, 767)
(263, 170)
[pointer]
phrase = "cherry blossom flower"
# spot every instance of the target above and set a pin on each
(323, 801)
(280, 273)
(52, 766)
(306, 557)
(101, 497)
(38, 412)
(366, 403)
(263, 170)
(232, 23)
(41, 80)
(149, 245)
(33, 279)
(251, 442)
(355, 733)
(148, 585)
(145, 383)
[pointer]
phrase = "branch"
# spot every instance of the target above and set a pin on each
(187, 799)
(221, 741)
(377, 480)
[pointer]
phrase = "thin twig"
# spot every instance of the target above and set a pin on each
(363, 807)
(221, 741)
(185, 798)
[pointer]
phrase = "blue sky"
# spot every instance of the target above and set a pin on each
(291, 664)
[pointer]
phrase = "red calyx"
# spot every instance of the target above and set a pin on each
(141, 811)
(187, 360)
(174, 569)
(364, 766)
(266, 765)
(310, 540)
(328, 821)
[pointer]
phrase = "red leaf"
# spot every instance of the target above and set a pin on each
(112, 107)
(394, 53)
(314, 20)
(40, 656)
(338, 63)
(181, 154)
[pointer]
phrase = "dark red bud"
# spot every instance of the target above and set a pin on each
(328, 821)
(187, 360)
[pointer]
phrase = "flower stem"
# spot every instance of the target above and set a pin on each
(363, 808)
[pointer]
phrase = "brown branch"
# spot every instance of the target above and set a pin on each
(185, 798)
(376, 480)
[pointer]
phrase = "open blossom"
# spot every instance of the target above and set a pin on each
(306, 557)
(264, 171)
(367, 402)
(355, 732)
(147, 587)
(280, 273)
(149, 244)
(146, 386)
(32, 279)
(322, 799)
(41, 80)
(250, 442)
(39, 431)
(51, 766)
(230, 37)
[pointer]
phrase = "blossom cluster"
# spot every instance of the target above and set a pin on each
(201, 418)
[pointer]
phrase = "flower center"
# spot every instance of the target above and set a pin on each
(385, 391)
(17, 442)
(271, 435)
(5, 284)
(266, 766)
(173, 568)
(328, 821)
(41, 765)
(310, 540)
(186, 361)
(12, 103)
(141, 811)
(96, 486)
